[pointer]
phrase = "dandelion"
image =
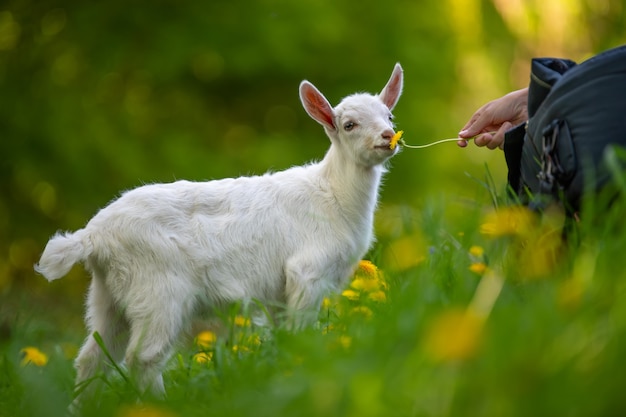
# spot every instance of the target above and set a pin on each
(570, 293)
(406, 252)
(476, 251)
(34, 356)
(206, 339)
(328, 328)
(367, 268)
(366, 285)
(351, 295)
(240, 348)
(203, 357)
(538, 256)
(478, 268)
(363, 311)
(508, 221)
(326, 303)
(144, 410)
(241, 321)
(454, 335)
(378, 296)
(394, 140)
(254, 340)
(345, 341)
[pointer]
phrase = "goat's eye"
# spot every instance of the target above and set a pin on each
(349, 126)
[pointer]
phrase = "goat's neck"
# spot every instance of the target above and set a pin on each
(355, 187)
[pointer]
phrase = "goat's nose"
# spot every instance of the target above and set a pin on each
(388, 134)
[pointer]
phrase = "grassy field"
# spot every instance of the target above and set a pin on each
(459, 310)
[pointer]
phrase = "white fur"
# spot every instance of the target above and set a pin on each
(161, 253)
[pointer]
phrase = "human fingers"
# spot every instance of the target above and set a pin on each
(483, 139)
(484, 120)
(493, 140)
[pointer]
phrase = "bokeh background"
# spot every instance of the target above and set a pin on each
(99, 97)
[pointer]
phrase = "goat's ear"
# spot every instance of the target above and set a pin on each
(316, 105)
(391, 93)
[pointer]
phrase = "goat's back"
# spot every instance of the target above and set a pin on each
(234, 236)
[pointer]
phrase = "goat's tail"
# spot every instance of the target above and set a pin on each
(62, 252)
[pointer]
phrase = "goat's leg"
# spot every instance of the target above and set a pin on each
(155, 327)
(102, 317)
(305, 288)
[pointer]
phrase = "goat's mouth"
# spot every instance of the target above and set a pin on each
(393, 143)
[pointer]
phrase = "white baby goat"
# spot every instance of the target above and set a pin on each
(161, 253)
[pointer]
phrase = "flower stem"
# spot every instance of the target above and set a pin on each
(438, 142)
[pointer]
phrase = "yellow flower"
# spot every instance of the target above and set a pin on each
(351, 295)
(237, 348)
(365, 284)
(326, 303)
(34, 356)
(328, 328)
(454, 335)
(367, 268)
(144, 410)
(203, 357)
(514, 220)
(406, 252)
(206, 339)
(254, 340)
(394, 140)
(345, 341)
(478, 268)
(539, 255)
(378, 296)
(476, 251)
(362, 311)
(570, 293)
(241, 321)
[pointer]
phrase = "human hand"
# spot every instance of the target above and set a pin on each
(496, 116)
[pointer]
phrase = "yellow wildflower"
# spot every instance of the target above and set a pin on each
(326, 303)
(206, 339)
(144, 410)
(362, 311)
(476, 251)
(478, 268)
(34, 356)
(243, 348)
(351, 295)
(203, 357)
(570, 293)
(454, 335)
(254, 340)
(513, 220)
(241, 321)
(538, 255)
(365, 284)
(378, 296)
(394, 140)
(345, 341)
(367, 268)
(406, 252)
(328, 328)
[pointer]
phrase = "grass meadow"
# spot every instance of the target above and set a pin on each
(462, 308)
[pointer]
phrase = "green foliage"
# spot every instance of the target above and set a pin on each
(98, 97)
(443, 341)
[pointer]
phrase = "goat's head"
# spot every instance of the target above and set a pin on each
(361, 126)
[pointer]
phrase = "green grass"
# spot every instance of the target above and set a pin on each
(550, 341)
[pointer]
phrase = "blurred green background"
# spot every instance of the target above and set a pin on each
(99, 97)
